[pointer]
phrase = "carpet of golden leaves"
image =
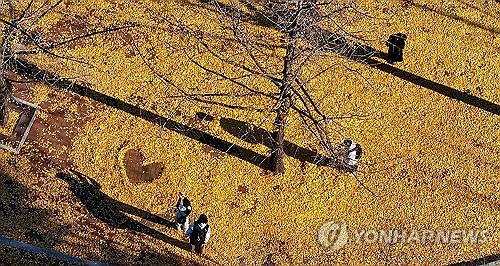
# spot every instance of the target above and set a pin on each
(434, 162)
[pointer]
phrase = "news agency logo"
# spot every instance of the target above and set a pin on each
(332, 236)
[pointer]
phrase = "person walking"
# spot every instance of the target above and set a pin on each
(348, 155)
(396, 44)
(183, 210)
(198, 234)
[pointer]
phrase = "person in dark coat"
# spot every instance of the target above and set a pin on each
(198, 234)
(396, 44)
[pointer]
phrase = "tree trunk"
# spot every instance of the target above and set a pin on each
(278, 137)
(276, 163)
(3, 102)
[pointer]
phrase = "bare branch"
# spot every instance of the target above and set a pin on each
(90, 35)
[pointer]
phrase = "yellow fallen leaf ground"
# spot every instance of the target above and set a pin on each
(433, 161)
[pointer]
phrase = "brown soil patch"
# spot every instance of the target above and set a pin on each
(49, 142)
(136, 171)
(52, 134)
(69, 28)
(243, 189)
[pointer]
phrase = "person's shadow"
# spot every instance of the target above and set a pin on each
(112, 211)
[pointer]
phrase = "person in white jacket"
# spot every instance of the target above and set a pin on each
(199, 234)
(350, 153)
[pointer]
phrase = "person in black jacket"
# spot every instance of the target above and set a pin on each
(396, 44)
(198, 234)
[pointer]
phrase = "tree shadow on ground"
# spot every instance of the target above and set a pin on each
(327, 40)
(113, 212)
(23, 222)
(492, 30)
(245, 154)
(20, 220)
(338, 44)
(15, 256)
(436, 87)
(256, 135)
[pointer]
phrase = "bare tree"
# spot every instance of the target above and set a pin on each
(274, 41)
(21, 38)
(265, 40)
(5, 38)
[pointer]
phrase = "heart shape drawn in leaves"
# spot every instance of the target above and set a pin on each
(136, 171)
